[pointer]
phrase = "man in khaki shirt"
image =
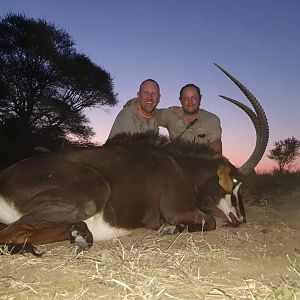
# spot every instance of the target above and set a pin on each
(141, 116)
(190, 122)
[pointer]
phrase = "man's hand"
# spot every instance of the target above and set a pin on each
(175, 109)
(130, 102)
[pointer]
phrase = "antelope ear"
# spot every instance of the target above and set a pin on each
(224, 179)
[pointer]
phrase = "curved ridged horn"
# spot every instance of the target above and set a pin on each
(259, 121)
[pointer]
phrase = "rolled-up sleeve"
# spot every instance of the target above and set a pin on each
(214, 131)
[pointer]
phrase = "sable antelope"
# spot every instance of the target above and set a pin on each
(130, 182)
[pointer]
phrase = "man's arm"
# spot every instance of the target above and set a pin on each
(123, 123)
(130, 102)
(165, 115)
(216, 146)
(214, 133)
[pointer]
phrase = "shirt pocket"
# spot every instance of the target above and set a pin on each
(200, 135)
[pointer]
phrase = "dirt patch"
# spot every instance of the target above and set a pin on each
(259, 260)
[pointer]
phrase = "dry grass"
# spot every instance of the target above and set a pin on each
(145, 266)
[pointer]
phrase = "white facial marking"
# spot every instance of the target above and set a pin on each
(235, 193)
(101, 230)
(8, 212)
(226, 207)
(236, 189)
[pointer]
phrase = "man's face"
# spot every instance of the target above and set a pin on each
(148, 96)
(190, 100)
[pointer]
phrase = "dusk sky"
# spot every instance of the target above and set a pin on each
(176, 42)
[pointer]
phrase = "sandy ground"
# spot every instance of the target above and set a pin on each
(258, 260)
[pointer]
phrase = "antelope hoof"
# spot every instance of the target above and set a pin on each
(81, 237)
(167, 229)
(81, 244)
(210, 222)
(13, 249)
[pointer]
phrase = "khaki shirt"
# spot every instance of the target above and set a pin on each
(130, 121)
(206, 130)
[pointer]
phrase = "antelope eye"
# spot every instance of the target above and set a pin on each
(235, 182)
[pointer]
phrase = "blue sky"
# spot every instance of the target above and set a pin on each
(177, 42)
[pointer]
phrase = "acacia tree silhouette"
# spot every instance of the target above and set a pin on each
(285, 153)
(45, 85)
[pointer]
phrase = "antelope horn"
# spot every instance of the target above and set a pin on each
(259, 121)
